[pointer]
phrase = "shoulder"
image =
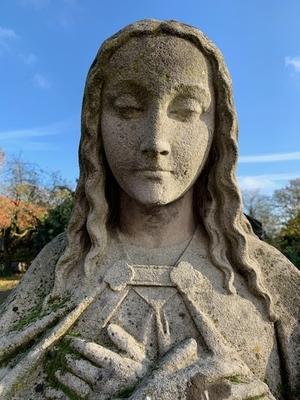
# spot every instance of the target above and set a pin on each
(279, 275)
(43, 266)
(282, 280)
(35, 285)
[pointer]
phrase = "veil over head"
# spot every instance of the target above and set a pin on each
(217, 198)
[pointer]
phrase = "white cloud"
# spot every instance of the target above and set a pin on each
(6, 36)
(44, 131)
(7, 39)
(29, 58)
(41, 81)
(38, 146)
(293, 62)
(263, 158)
(35, 139)
(265, 183)
(6, 33)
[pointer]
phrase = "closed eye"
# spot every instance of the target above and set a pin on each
(129, 112)
(127, 106)
(184, 109)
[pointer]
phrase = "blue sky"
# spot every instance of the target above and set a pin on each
(47, 46)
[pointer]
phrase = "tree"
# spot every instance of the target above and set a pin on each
(261, 208)
(287, 200)
(27, 196)
(18, 220)
(23, 181)
(54, 223)
(288, 240)
(280, 216)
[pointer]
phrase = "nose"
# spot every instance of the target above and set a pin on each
(155, 135)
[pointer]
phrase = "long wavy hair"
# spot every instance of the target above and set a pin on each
(217, 198)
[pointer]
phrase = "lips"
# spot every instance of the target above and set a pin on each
(153, 174)
(152, 169)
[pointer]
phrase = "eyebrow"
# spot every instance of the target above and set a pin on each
(192, 90)
(195, 91)
(136, 89)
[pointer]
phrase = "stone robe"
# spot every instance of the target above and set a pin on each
(159, 313)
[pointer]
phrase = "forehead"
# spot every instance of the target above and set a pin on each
(161, 60)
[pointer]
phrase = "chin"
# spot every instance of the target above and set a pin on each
(152, 194)
(152, 199)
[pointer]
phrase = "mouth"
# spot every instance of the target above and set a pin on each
(155, 170)
(152, 169)
(154, 173)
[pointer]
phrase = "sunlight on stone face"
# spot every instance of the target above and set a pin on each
(157, 117)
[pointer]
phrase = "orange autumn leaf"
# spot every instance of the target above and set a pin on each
(22, 214)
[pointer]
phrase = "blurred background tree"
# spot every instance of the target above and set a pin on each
(35, 206)
(280, 217)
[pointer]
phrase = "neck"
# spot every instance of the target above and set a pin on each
(157, 226)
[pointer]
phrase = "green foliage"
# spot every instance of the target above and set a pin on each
(35, 206)
(288, 240)
(55, 222)
(280, 217)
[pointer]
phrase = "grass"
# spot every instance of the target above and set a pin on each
(9, 282)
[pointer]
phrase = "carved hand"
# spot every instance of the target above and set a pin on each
(99, 373)
(95, 372)
(210, 378)
(103, 374)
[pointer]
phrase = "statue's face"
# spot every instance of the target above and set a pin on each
(157, 117)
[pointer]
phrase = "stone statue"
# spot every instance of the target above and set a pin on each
(160, 289)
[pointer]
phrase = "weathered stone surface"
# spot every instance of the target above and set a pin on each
(159, 289)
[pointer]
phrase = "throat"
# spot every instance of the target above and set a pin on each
(157, 226)
(138, 255)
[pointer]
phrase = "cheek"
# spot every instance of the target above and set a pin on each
(190, 151)
(120, 141)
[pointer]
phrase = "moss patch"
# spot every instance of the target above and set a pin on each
(38, 312)
(56, 360)
(124, 394)
(237, 379)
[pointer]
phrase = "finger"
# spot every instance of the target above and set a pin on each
(103, 357)
(55, 394)
(118, 390)
(84, 369)
(254, 389)
(126, 342)
(181, 356)
(72, 382)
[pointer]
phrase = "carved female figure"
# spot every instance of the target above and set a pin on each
(160, 290)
